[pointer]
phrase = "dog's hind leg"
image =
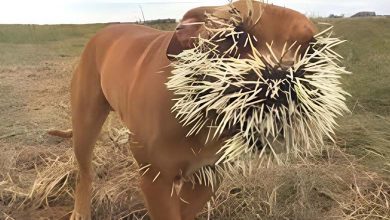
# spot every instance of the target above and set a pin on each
(89, 111)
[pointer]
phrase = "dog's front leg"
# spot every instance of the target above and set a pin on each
(82, 209)
(162, 204)
(194, 197)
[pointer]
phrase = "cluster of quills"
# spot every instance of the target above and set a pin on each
(261, 102)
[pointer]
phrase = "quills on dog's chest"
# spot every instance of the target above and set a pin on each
(260, 98)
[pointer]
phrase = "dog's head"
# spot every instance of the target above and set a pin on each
(251, 19)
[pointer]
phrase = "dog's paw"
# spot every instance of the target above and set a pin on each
(77, 216)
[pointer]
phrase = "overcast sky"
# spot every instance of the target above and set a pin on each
(96, 11)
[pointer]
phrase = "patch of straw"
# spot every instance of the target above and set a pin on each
(115, 188)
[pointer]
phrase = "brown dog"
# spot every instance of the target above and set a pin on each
(124, 68)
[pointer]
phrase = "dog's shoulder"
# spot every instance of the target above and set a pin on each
(131, 29)
(132, 34)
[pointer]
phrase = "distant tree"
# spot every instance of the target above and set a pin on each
(160, 21)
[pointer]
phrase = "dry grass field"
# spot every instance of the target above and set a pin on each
(349, 180)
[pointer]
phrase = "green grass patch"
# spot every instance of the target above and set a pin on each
(38, 34)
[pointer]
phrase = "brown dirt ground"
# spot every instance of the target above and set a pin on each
(33, 99)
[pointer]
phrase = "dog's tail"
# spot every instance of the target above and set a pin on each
(62, 134)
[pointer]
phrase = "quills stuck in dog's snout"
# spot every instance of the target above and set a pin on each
(257, 99)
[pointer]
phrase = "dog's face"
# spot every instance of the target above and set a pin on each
(254, 22)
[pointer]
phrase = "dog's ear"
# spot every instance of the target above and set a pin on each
(191, 27)
(184, 36)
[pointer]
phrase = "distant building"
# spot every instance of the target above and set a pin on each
(336, 16)
(364, 14)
